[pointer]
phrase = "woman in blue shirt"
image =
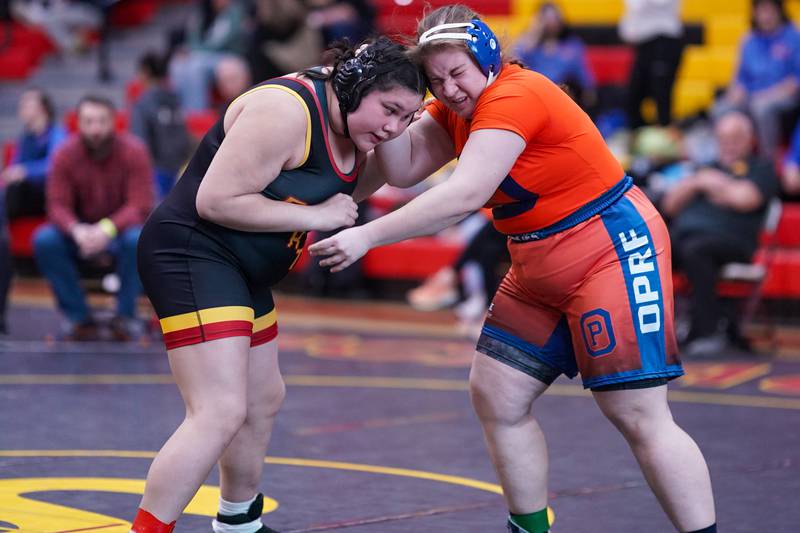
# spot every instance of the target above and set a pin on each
(550, 48)
(766, 83)
(22, 181)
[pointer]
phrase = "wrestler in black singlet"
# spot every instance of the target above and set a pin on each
(207, 281)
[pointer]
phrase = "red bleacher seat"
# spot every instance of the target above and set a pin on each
(611, 65)
(9, 149)
(394, 19)
(199, 122)
(413, 259)
(32, 38)
(20, 231)
(16, 63)
(788, 233)
(133, 90)
(484, 7)
(133, 12)
(23, 52)
(783, 277)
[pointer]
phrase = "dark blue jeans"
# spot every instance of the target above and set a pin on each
(57, 258)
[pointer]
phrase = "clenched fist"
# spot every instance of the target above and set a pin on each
(338, 211)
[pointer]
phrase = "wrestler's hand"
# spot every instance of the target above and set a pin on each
(338, 211)
(341, 250)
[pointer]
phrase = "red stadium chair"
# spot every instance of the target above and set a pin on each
(413, 259)
(9, 149)
(133, 91)
(788, 232)
(20, 231)
(129, 13)
(611, 65)
(16, 63)
(394, 19)
(199, 122)
(33, 39)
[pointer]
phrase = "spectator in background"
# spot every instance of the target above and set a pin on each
(766, 83)
(231, 78)
(716, 217)
(5, 23)
(22, 181)
(790, 177)
(218, 32)
(156, 118)
(282, 40)
(5, 278)
(550, 47)
(654, 28)
(342, 19)
(99, 191)
(24, 178)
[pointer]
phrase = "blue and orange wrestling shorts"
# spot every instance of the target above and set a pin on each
(595, 298)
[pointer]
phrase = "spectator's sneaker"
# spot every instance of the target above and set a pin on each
(83, 332)
(124, 329)
(437, 292)
(473, 309)
(707, 347)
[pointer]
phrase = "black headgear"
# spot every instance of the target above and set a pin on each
(354, 76)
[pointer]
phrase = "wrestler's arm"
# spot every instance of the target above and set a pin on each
(485, 162)
(422, 149)
(265, 134)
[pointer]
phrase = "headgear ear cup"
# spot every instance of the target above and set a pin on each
(485, 48)
(347, 77)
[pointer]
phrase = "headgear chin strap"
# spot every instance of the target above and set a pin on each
(481, 42)
(354, 76)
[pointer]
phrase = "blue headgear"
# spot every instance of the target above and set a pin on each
(480, 39)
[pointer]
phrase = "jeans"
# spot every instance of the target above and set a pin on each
(56, 256)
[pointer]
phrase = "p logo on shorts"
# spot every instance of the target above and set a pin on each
(598, 335)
